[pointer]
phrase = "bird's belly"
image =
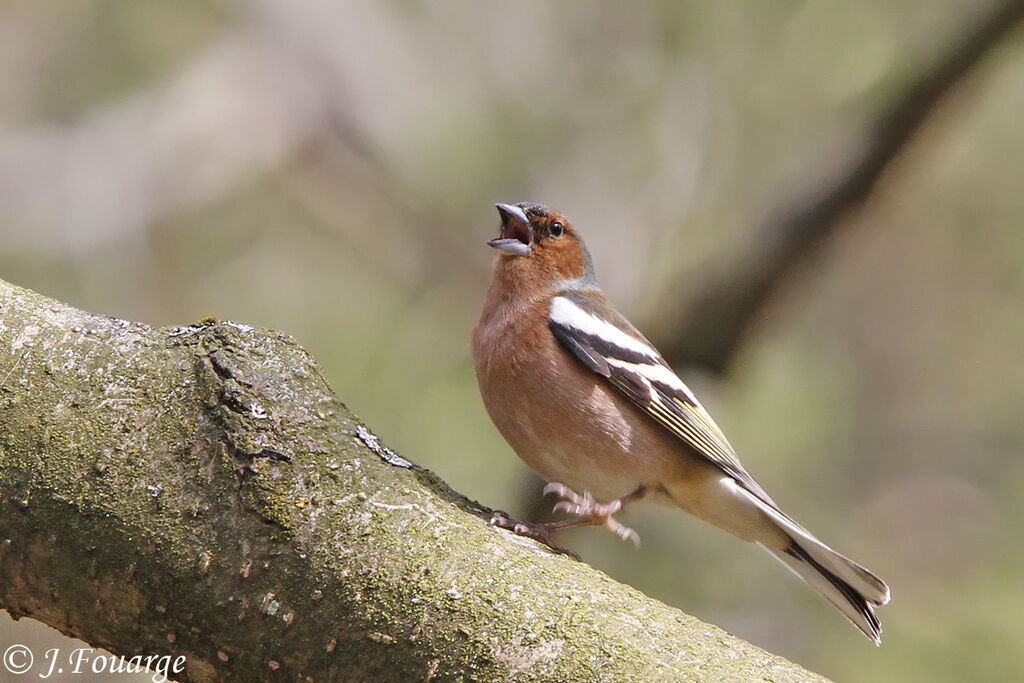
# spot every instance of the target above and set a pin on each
(584, 435)
(583, 451)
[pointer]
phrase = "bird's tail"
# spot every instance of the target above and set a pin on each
(853, 590)
(850, 587)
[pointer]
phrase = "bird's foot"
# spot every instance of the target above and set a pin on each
(538, 531)
(588, 511)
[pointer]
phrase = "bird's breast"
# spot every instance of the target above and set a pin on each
(564, 421)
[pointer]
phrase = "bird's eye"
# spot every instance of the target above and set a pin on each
(556, 229)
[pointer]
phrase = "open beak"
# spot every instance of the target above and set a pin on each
(516, 235)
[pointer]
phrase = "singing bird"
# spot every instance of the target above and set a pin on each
(590, 405)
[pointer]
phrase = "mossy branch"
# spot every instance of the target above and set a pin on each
(200, 491)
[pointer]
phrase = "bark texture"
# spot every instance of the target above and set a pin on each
(200, 491)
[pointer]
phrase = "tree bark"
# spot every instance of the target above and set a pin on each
(200, 491)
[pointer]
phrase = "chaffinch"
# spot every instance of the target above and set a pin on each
(587, 402)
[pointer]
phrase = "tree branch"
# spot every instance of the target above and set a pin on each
(200, 491)
(707, 329)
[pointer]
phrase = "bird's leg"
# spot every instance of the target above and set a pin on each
(538, 531)
(588, 511)
(585, 510)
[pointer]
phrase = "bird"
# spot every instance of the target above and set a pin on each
(589, 404)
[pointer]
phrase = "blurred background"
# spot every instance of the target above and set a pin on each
(329, 169)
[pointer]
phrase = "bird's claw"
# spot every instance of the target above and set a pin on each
(622, 531)
(584, 510)
(536, 530)
(498, 517)
(589, 511)
(563, 491)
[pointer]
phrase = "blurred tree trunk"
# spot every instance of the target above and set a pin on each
(200, 491)
(706, 329)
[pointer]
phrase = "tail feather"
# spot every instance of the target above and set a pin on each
(872, 588)
(842, 595)
(851, 588)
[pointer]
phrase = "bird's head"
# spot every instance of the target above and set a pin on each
(541, 246)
